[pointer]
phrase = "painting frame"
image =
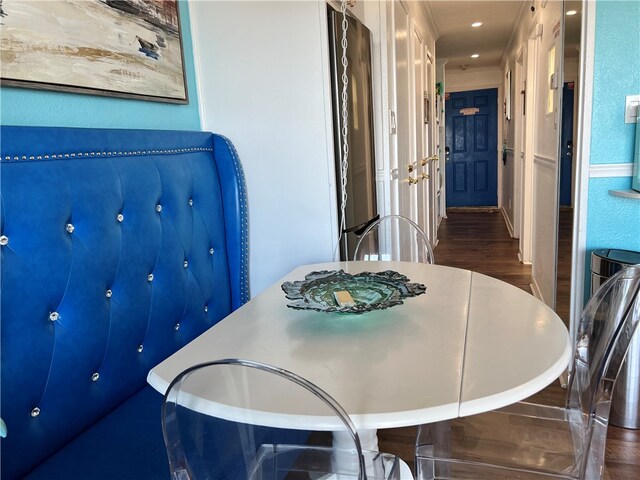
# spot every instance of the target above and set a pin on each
(8, 79)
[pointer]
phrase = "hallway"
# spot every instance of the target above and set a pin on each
(481, 242)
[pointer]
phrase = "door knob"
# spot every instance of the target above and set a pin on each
(410, 167)
(424, 176)
(412, 181)
(432, 158)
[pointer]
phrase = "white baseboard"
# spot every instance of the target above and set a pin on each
(535, 289)
(522, 261)
(507, 222)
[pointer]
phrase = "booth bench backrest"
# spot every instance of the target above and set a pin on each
(118, 248)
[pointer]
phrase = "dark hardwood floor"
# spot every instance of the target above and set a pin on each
(481, 242)
(565, 236)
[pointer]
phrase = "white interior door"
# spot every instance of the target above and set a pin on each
(518, 153)
(546, 153)
(430, 131)
(405, 176)
(422, 190)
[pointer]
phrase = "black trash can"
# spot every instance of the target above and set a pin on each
(625, 404)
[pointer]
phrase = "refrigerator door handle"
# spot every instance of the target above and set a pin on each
(359, 229)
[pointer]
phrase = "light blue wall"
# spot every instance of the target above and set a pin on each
(613, 222)
(20, 106)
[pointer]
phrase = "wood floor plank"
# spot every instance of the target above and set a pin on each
(480, 241)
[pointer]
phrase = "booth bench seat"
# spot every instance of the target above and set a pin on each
(118, 248)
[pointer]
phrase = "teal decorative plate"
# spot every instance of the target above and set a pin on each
(369, 290)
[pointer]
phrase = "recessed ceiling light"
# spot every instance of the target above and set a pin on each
(476, 24)
(572, 12)
(475, 55)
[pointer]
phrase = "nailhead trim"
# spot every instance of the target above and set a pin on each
(128, 153)
(244, 235)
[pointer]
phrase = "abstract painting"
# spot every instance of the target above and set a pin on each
(121, 48)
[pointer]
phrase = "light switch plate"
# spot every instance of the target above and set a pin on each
(631, 108)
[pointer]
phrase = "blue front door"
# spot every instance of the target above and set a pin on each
(472, 146)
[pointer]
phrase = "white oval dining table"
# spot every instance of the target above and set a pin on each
(469, 344)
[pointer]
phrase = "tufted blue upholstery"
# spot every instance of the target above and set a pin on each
(107, 269)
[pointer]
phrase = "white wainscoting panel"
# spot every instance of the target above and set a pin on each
(545, 221)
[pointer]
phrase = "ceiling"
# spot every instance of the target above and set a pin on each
(458, 40)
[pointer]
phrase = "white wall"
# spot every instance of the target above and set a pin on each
(263, 75)
(473, 79)
(511, 185)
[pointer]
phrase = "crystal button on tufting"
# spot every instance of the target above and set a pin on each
(4, 240)
(95, 377)
(177, 327)
(191, 202)
(206, 309)
(140, 348)
(158, 208)
(70, 228)
(211, 251)
(108, 293)
(185, 264)
(35, 412)
(53, 316)
(120, 217)
(150, 277)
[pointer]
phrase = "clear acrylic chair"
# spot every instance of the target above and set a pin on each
(527, 441)
(238, 419)
(394, 238)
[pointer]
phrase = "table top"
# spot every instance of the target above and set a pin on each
(470, 344)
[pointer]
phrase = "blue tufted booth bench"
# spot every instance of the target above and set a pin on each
(118, 248)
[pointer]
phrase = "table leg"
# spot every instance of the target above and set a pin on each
(369, 441)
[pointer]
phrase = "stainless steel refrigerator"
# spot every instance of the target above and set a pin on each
(361, 181)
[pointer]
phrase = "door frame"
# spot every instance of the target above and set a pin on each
(499, 135)
(583, 153)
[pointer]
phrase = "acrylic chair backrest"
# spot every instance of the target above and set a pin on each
(218, 423)
(607, 325)
(394, 238)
